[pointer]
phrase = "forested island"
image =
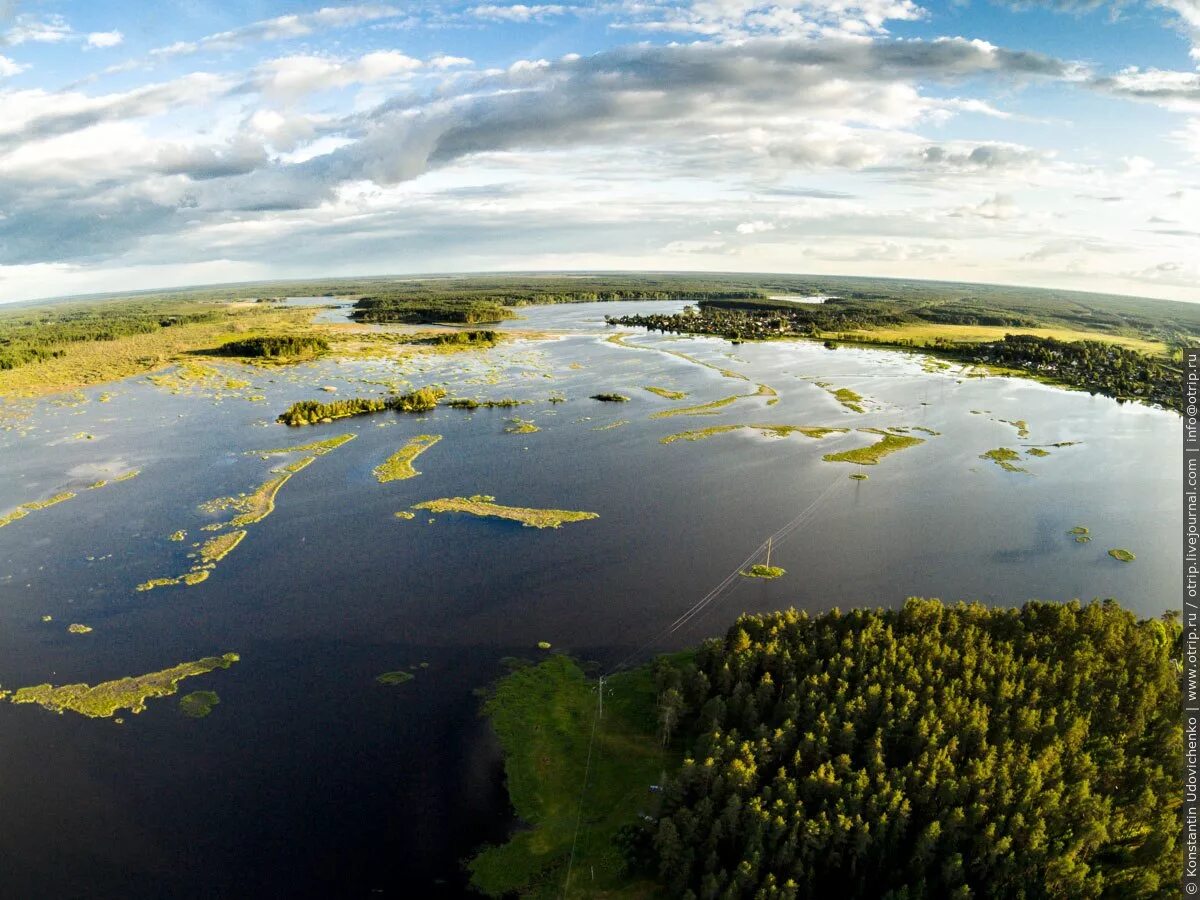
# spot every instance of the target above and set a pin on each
(929, 751)
(310, 412)
(275, 347)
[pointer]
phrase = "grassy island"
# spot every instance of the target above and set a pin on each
(198, 704)
(483, 505)
(1005, 458)
(758, 570)
(869, 456)
(131, 693)
(521, 426)
(33, 506)
(779, 431)
(399, 465)
(397, 677)
(700, 409)
(1122, 555)
(76, 628)
(666, 393)
(250, 509)
(849, 399)
(472, 404)
(859, 754)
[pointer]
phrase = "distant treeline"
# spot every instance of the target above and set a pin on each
(29, 332)
(1096, 366)
(933, 751)
(310, 412)
(275, 347)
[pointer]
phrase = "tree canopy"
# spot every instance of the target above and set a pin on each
(932, 751)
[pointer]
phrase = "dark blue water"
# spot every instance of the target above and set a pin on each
(309, 779)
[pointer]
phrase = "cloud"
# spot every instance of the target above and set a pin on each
(999, 207)
(519, 12)
(279, 28)
(790, 18)
(104, 39)
(760, 107)
(963, 157)
(8, 68)
(293, 76)
(1173, 90)
(757, 227)
(28, 28)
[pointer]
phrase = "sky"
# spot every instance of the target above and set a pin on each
(1053, 143)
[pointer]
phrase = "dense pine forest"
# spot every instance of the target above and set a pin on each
(932, 751)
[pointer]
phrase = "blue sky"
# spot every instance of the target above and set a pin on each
(1046, 142)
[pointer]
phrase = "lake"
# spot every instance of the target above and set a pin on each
(311, 779)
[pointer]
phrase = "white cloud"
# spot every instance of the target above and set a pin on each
(792, 18)
(519, 12)
(104, 39)
(756, 227)
(293, 76)
(277, 29)
(8, 68)
(28, 28)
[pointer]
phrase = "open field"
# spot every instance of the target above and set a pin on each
(927, 334)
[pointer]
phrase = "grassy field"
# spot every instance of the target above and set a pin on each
(95, 362)
(925, 334)
(543, 716)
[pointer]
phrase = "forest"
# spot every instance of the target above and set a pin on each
(1096, 366)
(275, 347)
(930, 751)
(28, 336)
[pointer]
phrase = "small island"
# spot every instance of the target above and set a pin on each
(399, 465)
(484, 505)
(870, 456)
(399, 676)
(759, 570)
(198, 704)
(131, 693)
(1122, 555)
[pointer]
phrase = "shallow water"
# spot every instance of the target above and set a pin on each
(309, 779)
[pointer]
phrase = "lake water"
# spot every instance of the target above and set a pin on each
(309, 778)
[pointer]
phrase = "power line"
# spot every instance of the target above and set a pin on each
(587, 767)
(776, 538)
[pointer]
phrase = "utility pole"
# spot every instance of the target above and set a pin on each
(768, 552)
